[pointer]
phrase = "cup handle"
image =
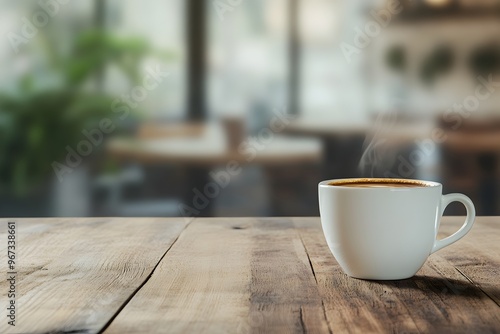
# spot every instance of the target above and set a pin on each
(469, 220)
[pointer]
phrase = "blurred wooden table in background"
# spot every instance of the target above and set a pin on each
(199, 149)
(207, 145)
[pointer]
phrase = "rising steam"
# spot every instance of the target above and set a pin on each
(378, 154)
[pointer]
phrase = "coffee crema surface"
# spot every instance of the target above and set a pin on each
(380, 183)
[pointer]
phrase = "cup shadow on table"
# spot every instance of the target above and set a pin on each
(438, 285)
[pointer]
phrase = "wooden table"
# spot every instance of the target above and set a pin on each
(210, 148)
(236, 275)
(199, 154)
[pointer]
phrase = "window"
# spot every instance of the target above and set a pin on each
(331, 88)
(247, 58)
(161, 24)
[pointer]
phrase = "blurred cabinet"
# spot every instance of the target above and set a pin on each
(470, 164)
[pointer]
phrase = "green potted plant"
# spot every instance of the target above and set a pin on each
(36, 124)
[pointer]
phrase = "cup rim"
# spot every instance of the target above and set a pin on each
(424, 184)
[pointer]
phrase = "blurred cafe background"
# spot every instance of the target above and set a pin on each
(240, 107)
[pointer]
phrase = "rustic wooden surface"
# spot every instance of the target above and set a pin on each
(237, 275)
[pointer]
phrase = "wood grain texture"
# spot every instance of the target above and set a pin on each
(75, 274)
(238, 275)
(201, 286)
(284, 294)
(229, 276)
(477, 256)
(440, 298)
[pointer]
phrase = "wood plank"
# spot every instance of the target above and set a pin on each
(284, 288)
(477, 255)
(229, 276)
(437, 299)
(75, 274)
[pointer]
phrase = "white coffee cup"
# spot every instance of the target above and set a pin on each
(385, 232)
